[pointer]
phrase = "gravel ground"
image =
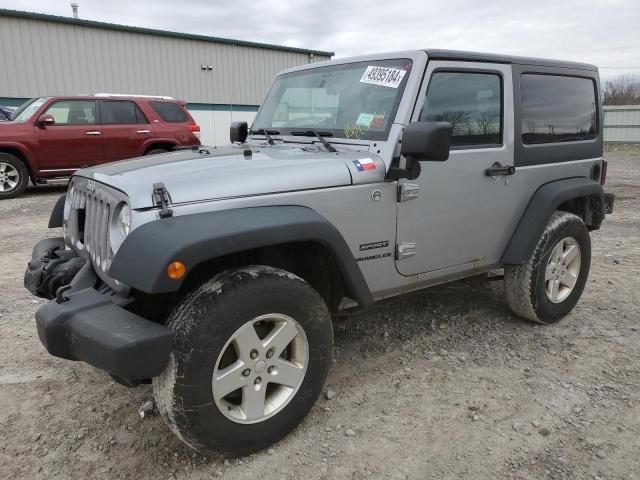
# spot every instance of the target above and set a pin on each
(440, 384)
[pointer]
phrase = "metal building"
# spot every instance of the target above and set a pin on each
(622, 124)
(221, 79)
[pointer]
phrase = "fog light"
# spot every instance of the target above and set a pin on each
(176, 270)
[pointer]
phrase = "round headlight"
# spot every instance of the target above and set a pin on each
(123, 222)
(120, 226)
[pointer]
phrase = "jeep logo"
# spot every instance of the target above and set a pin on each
(91, 186)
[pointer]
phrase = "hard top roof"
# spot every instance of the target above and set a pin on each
(453, 55)
(438, 54)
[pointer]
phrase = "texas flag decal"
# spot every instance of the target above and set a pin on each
(365, 164)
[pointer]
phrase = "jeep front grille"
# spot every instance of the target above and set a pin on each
(87, 225)
(96, 229)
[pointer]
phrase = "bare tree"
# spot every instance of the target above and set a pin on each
(458, 119)
(531, 125)
(622, 90)
(487, 121)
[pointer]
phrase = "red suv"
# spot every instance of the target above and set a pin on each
(54, 136)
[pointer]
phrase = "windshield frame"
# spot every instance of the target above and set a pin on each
(339, 133)
(25, 106)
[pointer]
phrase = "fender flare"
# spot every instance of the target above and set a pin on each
(57, 214)
(543, 203)
(142, 259)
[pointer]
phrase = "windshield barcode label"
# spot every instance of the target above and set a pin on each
(385, 77)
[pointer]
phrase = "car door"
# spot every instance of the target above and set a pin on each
(456, 216)
(74, 140)
(125, 129)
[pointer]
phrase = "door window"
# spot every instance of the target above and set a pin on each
(73, 112)
(121, 112)
(471, 102)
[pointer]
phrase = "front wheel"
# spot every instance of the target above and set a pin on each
(14, 176)
(549, 285)
(252, 351)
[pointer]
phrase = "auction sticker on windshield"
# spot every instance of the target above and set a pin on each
(383, 76)
(364, 120)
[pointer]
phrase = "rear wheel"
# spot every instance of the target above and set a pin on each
(14, 176)
(156, 151)
(549, 285)
(252, 351)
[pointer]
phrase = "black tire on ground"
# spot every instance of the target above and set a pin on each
(525, 285)
(204, 323)
(156, 151)
(19, 176)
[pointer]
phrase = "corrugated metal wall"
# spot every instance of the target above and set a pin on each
(215, 124)
(49, 58)
(622, 124)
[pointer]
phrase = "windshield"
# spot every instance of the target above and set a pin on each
(355, 100)
(27, 109)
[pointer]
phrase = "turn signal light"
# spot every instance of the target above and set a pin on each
(176, 270)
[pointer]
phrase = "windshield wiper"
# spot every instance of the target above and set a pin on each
(267, 134)
(319, 135)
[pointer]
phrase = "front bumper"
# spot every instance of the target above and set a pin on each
(84, 324)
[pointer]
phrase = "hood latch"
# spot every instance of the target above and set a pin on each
(162, 199)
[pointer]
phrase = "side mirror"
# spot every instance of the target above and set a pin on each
(426, 141)
(238, 132)
(46, 120)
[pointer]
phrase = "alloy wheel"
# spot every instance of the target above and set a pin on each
(260, 368)
(9, 177)
(563, 269)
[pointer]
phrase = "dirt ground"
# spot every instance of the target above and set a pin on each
(440, 384)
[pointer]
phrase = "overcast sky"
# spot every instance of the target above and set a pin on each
(604, 32)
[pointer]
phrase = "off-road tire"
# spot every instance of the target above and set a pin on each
(525, 284)
(23, 176)
(204, 321)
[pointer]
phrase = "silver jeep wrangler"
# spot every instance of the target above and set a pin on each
(213, 272)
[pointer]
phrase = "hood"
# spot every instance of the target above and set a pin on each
(236, 171)
(10, 126)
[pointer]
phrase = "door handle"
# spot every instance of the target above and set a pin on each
(93, 132)
(498, 169)
(143, 131)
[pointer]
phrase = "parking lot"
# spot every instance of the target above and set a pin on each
(441, 384)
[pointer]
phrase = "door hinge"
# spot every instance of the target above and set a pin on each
(405, 250)
(162, 199)
(408, 191)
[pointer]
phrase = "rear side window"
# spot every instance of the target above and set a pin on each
(73, 112)
(557, 109)
(471, 102)
(121, 112)
(169, 112)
